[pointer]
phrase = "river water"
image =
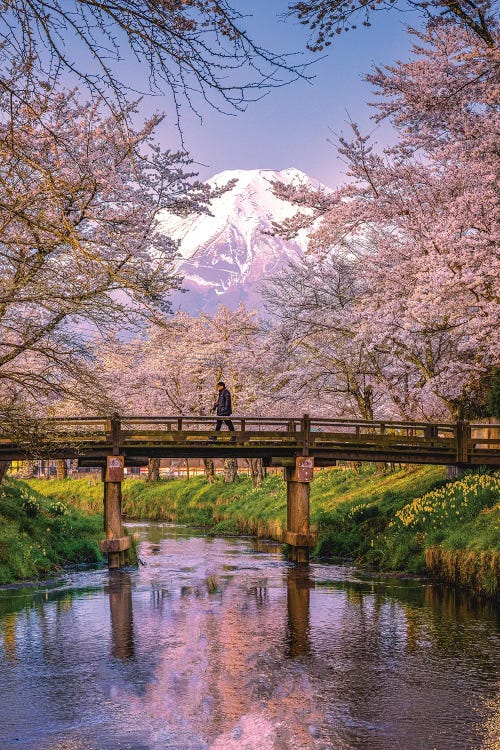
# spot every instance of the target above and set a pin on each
(221, 644)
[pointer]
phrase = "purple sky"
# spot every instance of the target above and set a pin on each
(292, 125)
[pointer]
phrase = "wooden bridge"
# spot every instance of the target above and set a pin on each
(274, 439)
(114, 442)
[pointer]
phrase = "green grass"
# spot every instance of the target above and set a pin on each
(40, 534)
(83, 494)
(409, 520)
(391, 525)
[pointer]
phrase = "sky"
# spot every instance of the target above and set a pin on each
(295, 125)
(292, 126)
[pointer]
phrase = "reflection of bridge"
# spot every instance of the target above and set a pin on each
(130, 441)
(298, 586)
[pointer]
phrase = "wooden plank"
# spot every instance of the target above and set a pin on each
(471, 442)
(374, 439)
(118, 544)
(147, 434)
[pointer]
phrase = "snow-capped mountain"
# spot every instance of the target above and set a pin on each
(225, 257)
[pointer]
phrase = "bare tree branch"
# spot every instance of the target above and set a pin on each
(197, 50)
(328, 18)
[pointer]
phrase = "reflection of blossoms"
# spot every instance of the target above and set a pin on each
(222, 680)
(252, 732)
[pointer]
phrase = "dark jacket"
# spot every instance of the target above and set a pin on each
(223, 403)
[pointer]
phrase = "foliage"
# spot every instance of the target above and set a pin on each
(83, 494)
(394, 528)
(174, 367)
(312, 301)
(469, 568)
(395, 311)
(327, 18)
(80, 246)
(452, 504)
(39, 534)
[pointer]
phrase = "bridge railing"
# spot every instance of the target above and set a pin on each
(207, 423)
(460, 442)
(382, 427)
(315, 431)
(196, 429)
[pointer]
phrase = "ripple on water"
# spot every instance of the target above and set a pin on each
(215, 644)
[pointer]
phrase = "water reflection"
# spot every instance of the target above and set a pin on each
(119, 590)
(8, 627)
(222, 646)
(298, 586)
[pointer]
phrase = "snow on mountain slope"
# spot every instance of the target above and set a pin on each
(225, 257)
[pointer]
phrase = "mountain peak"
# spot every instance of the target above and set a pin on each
(226, 256)
(250, 175)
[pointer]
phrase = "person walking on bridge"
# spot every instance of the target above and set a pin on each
(223, 408)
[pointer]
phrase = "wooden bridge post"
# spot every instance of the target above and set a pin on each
(297, 516)
(113, 524)
(462, 442)
(298, 532)
(116, 543)
(298, 478)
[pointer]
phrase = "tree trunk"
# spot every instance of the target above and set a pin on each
(209, 470)
(256, 470)
(28, 469)
(61, 468)
(4, 467)
(153, 470)
(453, 472)
(230, 469)
(187, 468)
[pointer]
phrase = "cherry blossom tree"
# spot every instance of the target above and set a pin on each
(194, 49)
(80, 253)
(330, 370)
(328, 18)
(187, 357)
(419, 222)
(174, 368)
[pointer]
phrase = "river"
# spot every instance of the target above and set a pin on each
(221, 644)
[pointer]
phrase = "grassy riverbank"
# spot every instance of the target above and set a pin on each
(40, 534)
(407, 521)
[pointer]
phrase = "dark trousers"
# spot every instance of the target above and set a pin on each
(226, 421)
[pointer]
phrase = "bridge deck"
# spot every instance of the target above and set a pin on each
(91, 439)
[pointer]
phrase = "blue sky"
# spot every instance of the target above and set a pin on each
(292, 125)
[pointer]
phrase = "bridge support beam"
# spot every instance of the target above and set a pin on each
(116, 543)
(298, 535)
